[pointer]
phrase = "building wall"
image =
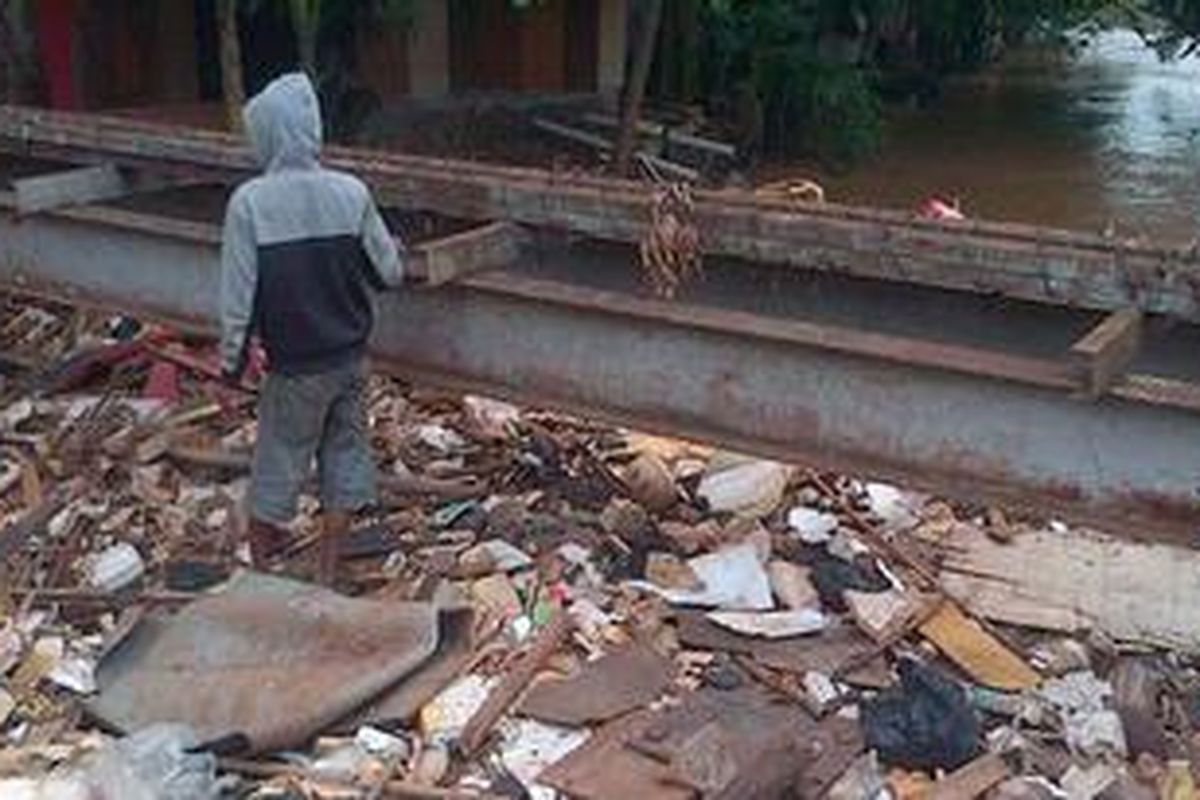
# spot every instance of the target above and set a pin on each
(113, 53)
(542, 53)
(550, 46)
(98, 54)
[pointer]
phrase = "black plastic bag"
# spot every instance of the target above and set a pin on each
(925, 722)
(831, 576)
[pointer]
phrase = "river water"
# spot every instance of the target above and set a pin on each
(1108, 140)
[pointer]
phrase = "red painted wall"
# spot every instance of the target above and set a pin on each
(55, 38)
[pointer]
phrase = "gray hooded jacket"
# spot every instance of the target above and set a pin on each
(302, 245)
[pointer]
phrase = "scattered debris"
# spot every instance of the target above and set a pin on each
(650, 483)
(733, 578)
(972, 780)
(743, 485)
(771, 624)
(883, 615)
(116, 568)
(479, 726)
(542, 604)
(1078, 581)
(792, 586)
(529, 747)
(1083, 701)
(1087, 782)
(812, 526)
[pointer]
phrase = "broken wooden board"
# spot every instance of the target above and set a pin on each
(443, 260)
(972, 780)
(884, 616)
(825, 653)
(1078, 580)
(982, 656)
(1099, 358)
(741, 744)
(606, 688)
(69, 187)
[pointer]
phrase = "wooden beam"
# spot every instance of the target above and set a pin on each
(669, 135)
(1102, 355)
(68, 188)
(605, 146)
(443, 260)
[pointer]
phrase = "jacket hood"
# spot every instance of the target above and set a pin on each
(283, 123)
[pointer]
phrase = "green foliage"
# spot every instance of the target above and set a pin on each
(789, 95)
(817, 67)
(845, 109)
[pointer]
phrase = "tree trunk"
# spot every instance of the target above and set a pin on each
(232, 85)
(8, 46)
(689, 66)
(306, 41)
(635, 84)
(306, 23)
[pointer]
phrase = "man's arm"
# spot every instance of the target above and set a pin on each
(381, 248)
(239, 280)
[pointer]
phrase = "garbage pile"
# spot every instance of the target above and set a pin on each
(543, 607)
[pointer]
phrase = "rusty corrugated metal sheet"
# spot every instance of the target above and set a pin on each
(269, 658)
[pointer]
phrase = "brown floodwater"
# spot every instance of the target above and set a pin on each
(1106, 140)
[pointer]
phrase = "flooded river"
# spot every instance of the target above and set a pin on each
(1108, 138)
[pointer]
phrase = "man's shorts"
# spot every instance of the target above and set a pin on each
(302, 417)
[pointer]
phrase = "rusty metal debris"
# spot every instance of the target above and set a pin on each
(269, 659)
(615, 684)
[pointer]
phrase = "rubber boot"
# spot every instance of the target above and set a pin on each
(267, 541)
(334, 526)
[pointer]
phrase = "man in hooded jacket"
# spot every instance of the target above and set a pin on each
(302, 247)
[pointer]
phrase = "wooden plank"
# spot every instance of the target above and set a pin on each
(1139, 593)
(479, 726)
(69, 187)
(668, 134)
(1101, 355)
(605, 146)
(977, 652)
(972, 780)
(444, 260)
